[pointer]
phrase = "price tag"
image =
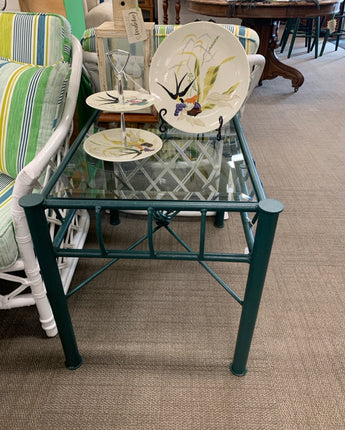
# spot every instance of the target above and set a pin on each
(134, 23)
(331, 25)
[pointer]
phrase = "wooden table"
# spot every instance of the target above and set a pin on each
(264, 19)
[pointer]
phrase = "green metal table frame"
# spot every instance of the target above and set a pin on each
(265, 213)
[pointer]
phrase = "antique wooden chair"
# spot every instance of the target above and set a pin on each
(40, 69)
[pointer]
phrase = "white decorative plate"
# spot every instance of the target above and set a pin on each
(107, 145)
(199, 73)
(109, 101)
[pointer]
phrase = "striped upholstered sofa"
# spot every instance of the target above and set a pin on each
(40, 69)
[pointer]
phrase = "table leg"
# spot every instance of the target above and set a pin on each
(267, 222)
(267, 30)
(219, 220)
(165, 11)
(114, 217)
(34, 211)
(177, 10)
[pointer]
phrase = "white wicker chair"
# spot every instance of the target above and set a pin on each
(96, 12)
(22, 272)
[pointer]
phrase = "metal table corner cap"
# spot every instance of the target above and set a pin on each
(271, 206)
(30, 200)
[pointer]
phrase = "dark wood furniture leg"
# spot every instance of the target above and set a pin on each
(177, 10)
(165, 11)
(267, 30)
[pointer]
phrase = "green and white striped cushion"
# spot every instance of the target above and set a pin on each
(8, 245)
(35, 54)
(88, 41)
(30, 103)
(39, 39)
(247, 36)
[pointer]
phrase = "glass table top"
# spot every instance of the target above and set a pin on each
(200, 167)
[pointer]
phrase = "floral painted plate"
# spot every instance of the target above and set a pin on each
(107, 145)
(109, 101)
(198, 74)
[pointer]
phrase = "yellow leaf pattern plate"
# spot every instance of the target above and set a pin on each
(109, 101)
(107, 145)
(198, 74)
